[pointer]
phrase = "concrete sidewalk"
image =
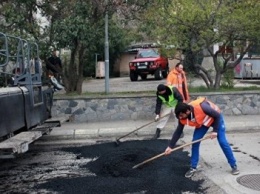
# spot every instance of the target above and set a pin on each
(70, 130)
(243, 133)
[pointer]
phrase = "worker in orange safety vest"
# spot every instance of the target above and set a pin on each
(177, 79)
(202, 114)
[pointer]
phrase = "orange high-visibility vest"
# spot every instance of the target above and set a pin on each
(200, 118)
(177, 80)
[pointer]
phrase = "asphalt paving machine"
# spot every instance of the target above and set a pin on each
(25, 105)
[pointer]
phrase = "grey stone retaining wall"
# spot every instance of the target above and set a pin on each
(142, 107)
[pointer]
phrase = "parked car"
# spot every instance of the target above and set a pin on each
(148, 61)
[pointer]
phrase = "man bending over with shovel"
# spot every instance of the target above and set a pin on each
(202, 114)
(167, 98)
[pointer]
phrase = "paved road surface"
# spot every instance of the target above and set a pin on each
(123, 84)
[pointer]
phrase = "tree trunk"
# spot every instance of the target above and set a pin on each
(81, 55)
(73, 77)
(205, 75)
(217, 80)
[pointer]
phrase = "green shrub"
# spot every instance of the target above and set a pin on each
(228, 79)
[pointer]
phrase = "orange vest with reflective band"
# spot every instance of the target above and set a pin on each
(176, 79)
(200, 118)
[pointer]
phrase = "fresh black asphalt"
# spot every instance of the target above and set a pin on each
(113, 173)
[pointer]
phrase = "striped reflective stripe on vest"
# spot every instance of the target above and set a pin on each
(208, 119)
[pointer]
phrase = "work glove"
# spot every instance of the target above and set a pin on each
(157, 117)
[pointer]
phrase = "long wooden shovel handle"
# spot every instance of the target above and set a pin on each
(177, 148)
(140, 127)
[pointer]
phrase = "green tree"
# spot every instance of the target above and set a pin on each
(77, 25)
(18, 18)
(21, 18)
(80, 28)
(196, 25)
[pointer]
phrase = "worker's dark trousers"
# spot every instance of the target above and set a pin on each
(200, 132)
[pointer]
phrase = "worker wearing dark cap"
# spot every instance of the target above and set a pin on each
(202, 114)
(167, 99)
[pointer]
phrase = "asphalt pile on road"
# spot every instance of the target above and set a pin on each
(112, 171)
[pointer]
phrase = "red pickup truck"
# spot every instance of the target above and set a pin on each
(148, 61)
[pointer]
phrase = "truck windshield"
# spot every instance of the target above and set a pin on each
(147, 53)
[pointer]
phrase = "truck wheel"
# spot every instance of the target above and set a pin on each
(165, 72)
(144, 76)
(133, 76)
(158, 74)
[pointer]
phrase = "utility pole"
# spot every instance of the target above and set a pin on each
(106, 53)
(96, 54)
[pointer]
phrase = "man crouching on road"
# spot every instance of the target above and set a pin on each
(168, 96)
(202, 114)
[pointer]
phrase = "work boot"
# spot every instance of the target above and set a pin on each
(157, 134)
(235, 171)
(190, 172)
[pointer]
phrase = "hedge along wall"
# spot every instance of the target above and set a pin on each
(143, 107)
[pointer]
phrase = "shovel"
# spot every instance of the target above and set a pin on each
(117, 142)
(163, 154)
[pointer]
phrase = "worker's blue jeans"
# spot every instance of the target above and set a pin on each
(200, 132)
